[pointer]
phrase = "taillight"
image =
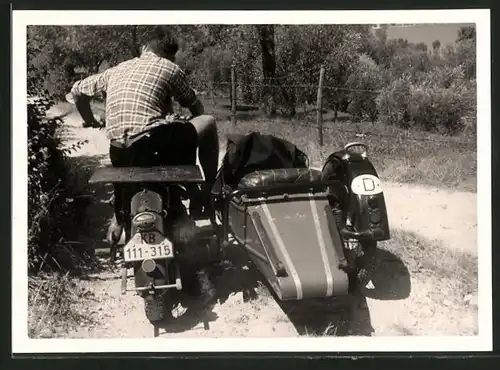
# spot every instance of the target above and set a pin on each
(144, 220)
(148, 265)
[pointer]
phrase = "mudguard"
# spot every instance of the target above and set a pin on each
(364, 203)
(152, 203)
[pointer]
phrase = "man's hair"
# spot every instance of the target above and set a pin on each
(162, 41)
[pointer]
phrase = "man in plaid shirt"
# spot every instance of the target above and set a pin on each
(139, 96)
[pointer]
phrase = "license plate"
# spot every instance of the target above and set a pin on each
(148, 245)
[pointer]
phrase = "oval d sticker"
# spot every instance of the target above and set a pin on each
(366, 185)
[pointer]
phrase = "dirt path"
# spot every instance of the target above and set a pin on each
(447, 216)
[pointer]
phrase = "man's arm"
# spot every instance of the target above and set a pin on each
(84, 90)
(197, 108)
(184, 94)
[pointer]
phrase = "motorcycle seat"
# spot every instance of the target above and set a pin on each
(279, 176)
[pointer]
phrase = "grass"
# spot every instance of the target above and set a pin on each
(57, 304)
(454, 272)
(57, 297)
(442, 281)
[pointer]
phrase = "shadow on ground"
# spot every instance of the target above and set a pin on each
(195, 310)
(391, 278)
(338, 316)
(349, 315)
(234, 274)
(92, 212)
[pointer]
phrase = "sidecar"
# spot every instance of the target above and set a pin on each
(303, 228)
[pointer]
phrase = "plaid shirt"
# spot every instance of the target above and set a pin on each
(138, 93)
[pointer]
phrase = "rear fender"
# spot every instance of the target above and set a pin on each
(147, 212)
(364, 201)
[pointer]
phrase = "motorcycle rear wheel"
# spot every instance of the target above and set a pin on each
(155, 308)
(362, 267)
(367, 263)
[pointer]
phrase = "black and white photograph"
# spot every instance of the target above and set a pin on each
(278, 181)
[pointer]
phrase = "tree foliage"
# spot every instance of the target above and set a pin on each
(277, 66)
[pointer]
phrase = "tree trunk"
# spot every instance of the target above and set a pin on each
(95, 68)
(135, 45)
(266, 37)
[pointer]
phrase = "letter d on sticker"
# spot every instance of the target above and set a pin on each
(366, 185)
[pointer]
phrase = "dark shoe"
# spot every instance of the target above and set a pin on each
(200, 205)
(190, 284)
(114, 231)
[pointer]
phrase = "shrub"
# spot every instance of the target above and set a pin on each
(48, 210)
(44, 164)
(393, 102)
(446, 105)
(442, 100)
(367, 78)
(443, 76)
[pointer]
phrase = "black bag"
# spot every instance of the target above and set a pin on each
(255, 151)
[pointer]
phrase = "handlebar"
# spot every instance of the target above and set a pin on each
(356, 143)
(173, 117)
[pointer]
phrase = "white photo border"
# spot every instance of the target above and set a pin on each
(21, 343)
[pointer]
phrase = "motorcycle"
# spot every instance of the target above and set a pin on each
(160, 241)
(360, 213)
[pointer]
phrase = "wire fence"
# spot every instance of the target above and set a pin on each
(302, 86)
(309, 98)
(237, 98)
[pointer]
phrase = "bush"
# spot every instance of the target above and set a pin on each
(393, 102)
(44, 168)
(367, 78)
(441, 100)
(437, 108)
(48, 210)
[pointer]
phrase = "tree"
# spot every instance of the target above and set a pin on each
(466, 33)
(364, 82)
(266, 38)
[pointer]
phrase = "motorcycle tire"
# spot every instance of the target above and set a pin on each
(367, 263)
(155, 308)
(190, 284)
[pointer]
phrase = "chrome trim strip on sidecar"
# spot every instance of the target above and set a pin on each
(322, 247)
(281, 245)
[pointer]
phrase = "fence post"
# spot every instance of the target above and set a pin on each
(212, 93)
(233, 94)
(319, 105)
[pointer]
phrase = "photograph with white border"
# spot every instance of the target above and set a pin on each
(334, 194)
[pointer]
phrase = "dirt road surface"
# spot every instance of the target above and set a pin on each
(238, 304)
